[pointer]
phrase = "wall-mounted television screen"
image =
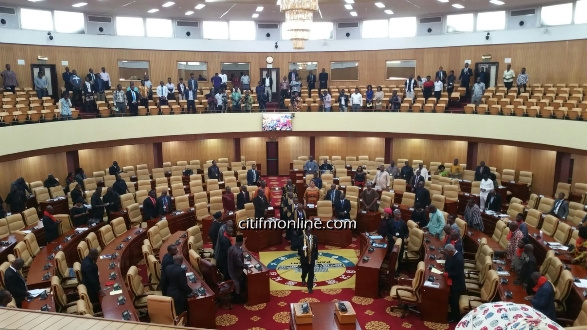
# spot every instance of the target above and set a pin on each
(277, 122)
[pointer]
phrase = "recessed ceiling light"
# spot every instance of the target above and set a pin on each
(259, 9)
(190, 12)
(388, 11)
(379, 5)
(443, 0)
(349, 1)
(349, 7)
(255, 15)
(168, 4)
(77, 5)
(353, 13)
(200, 6)
(458, 5)
(35, 0)
(497, 2)
(154, 10)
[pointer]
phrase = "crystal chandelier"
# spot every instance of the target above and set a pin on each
(298, 16)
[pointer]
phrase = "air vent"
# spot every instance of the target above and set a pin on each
(100, 19)
(188, 23)
(7, 10)
(431, 20)
(348, 25)
(268, 26)
(523, 12)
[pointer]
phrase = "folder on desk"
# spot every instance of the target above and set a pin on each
(432, 284)
(436, 271)
(374, 237)
(380, 245)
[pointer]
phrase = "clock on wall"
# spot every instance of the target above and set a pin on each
(269, 59)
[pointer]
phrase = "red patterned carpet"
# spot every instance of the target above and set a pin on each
(372, 314)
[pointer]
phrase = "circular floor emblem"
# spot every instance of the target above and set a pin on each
(330, 269)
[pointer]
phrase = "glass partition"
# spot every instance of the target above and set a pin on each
(399, 69)
(132, 70)
(236, 69)
(344, 70)
(199, 69)
(303, 69)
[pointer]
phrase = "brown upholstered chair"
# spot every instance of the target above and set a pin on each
(222, 289)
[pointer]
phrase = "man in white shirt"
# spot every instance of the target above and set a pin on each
(522, 81)
(219, 100)
(356, 100)
(478, 90)
(224, 78)
(410, 85)
(508, 77)
(268, 83)
(170, 89)
(245, 82)
(485, 186)
(438, 85)
(381, 179)
(106, 78)
(423, 171)
(326, 101)
(162, 93)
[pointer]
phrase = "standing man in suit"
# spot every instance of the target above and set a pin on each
(465, 77)
(50, 224)
(333, 195)
(268, 83)
(150, 209)
(214, 171)
(178, 288)
(311, 80)
(66, 78)
(242, 198)
(455, 277)
(253, 176)
(15, 282)
(215, 228)
(410, 85)
(481, 170)
(543, 300)
(493, 201)
(88, 92)
(323, 80)
(261, 204)
(342, 207)
(164, 203)
(286, 210)
(407, 172)
(560, 208)
(416, 179)
(422, 194)
(193, 90)
(236, 266)
(114, 169)
(441, 75)
(92, 76)
(308, 253)
(167, 260)
(222, 246)
(293, 76)
(133, 98)
(90, 276)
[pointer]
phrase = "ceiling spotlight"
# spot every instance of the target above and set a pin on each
(458, 5)
(379, 5)
(189, 12)
(200, 6)
(497, 2)
(349, 1)
(349, 7)
(35, 0)
(81, 4)
(255, 15)
(168, 4)
(443, 1)
(259, 9)
(388, 11)
(353, 13)
(154, 10)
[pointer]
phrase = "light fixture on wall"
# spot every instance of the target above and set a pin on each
(299, 15)
(267, 34)
(429, 30)
(50, 36)
(347, 34)
(276, 45)
(487, 36)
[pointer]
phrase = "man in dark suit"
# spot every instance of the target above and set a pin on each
(422, 194)
(333, 195)
(214, 171)
(90, 276)
(236, 266)
(322, 80)
(416, 179)
(560, 208)
(164, 203)
(178, 287)
(242, 198)
(91, 76)
(114, 169)
(167, 260)
(150, 209)
(308, 252)
(342, 207)
(133, 97)
(119, 186)
(88, 93)
(261, 204)
(253, 176)
(407, 172)
(493, 201)
(15, 282)
(50, 224)
(481, 170)
(543, 300)
(293, 75)
(311, 80)
(441, 74)
(215, 228)
(465, 77)
(453, 271)
(222, 246)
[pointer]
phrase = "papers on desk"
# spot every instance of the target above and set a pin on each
(317, 219)
(499, 262)
(436, 271)
(557, 246)
(432, 284)
(503, 215)
(88, 206)
(270, 208)
(374, 237)
(380, 245)
(582, 284)
(441, 261)
(310, 206)
(114, 293)
(79, 230)
(364, 212)
(36, 293)
(503, 273)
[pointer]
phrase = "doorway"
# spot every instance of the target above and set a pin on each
(274, 74)
(272, 153)
(51, 74)
(492, 73)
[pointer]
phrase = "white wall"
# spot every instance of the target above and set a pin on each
(28, 37)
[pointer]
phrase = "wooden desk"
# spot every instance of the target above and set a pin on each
(490, 221)
(7, 247)
(37, 303)
(541, 247)
(368, 221)
(324, 318)
(472, 238)
(518, 189)
(257, 280)
(260, 239)
(201, 309)
(60, 205)
(207, 223)
(311, 211)
(465, 186)
(336, 237)
(367, 272)
(433, 299)
(518, 291)
(129, 255)
(577, 296)
(68, 243)
(177, 220)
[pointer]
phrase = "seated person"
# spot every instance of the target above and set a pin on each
(79, 213)
(456, 169)
(325, 167)
(441, 170)
(50, 182)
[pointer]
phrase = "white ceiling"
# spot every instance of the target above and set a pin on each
(331, 10)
